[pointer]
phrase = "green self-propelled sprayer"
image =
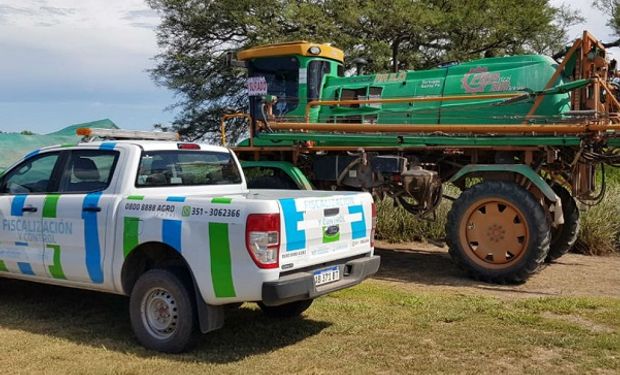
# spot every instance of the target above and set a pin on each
(523, 137)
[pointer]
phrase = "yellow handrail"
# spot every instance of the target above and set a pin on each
(423, 99)
(228, 117)
(447, 128)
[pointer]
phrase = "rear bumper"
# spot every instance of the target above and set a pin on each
(300, 286)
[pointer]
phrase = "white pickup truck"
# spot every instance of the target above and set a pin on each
(174, 226)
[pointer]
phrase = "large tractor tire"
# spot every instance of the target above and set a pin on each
(498, 232)
(564, 236)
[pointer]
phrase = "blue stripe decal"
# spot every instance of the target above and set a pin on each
(91, 239)
(176, 199)
(107, 146)
(18, 204)
(171, 233)
(25, 268)
(295, 239)
(31, 154)
(358, 228)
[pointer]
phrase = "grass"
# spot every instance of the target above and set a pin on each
(394, 224)
(377, 327)
(600, 226)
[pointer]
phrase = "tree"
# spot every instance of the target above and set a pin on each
(391, 34)
(612, 9)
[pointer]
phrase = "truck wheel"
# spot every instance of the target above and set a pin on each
(162, 311)
(564, 236)
(288, 310)
(497, 232)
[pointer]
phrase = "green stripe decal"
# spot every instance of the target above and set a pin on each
(221, 200)
(49, 206)
(56, 267)
(221, 264)
(3, 267)
(135, 197)
(130, 234)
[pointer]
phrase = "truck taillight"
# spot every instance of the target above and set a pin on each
(188, 146)
(374, 224)
(262, 239)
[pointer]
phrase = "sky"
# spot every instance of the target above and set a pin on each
(71, 61)
(64, 62)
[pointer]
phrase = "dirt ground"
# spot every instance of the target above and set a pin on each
(420, 266)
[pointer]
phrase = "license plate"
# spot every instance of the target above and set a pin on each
(326, 275)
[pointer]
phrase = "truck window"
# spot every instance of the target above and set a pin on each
(88, 171)
(32, 176)
(186, 168)
(268, 178)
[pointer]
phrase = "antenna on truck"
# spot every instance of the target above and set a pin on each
(89, 134)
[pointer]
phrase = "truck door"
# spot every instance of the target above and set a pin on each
(83, 204)
(25, 193)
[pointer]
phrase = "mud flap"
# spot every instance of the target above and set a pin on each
(210, 317)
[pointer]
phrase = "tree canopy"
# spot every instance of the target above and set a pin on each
(195, 35)
(612, 9)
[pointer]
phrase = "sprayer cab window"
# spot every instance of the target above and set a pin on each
(316, 71)
(282, 77)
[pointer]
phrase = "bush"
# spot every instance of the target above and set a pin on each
(394, 224)
(600, 225)
(599, 233)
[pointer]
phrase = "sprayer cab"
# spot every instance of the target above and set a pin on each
(294, 72)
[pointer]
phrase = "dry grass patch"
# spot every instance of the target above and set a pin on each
(376, 327)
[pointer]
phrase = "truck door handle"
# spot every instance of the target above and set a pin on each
(29, 209)
(91, 209)
(331, 212)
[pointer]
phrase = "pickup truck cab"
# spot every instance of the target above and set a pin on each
(173, 226)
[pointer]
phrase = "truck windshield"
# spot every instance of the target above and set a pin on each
(186, 168)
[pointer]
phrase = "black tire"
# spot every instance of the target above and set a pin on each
(288, 310)
(529, 216)
(170, 296)
(563, 237)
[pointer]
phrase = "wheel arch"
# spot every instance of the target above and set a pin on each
(152, 255)
(146, 256)
(480, 170)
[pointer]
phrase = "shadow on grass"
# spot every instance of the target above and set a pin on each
(102, 321)
(420, 266)
(432, 268)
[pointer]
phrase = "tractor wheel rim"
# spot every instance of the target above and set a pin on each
(159, 313)
(494, 233)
